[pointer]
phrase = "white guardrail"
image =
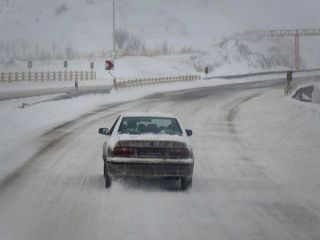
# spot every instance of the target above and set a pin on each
(148, 81)
(47, 76)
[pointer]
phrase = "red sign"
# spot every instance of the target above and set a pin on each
(109, 65)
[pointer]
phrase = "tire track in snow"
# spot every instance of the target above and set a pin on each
(286, 209)
(52, 137)
(233, 112)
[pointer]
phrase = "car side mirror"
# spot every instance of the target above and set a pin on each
(189, 132)
(103, 131)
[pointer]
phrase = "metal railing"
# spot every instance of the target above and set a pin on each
(149, 81)
(47, 76)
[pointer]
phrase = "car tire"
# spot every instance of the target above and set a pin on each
(107, 179)
(186, 183)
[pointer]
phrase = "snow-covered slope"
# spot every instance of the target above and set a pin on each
(88, 23)
(44, 29)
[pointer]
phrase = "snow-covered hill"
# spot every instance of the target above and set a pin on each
(44, 29)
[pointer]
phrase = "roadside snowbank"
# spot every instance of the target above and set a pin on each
(316, 93)
(284, 135)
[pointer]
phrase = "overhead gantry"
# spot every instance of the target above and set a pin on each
(296, 33)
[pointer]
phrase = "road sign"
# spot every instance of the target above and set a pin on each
(65, 64)
(29, 64)
(92, 65)
(206, 71)
(109, 65)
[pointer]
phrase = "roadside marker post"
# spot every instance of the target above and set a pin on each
(289, 80)
(29, 64)
(91, 67)
(206, 71)
(65, 65)
(29, 67)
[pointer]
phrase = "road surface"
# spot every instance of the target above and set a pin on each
(60, 194)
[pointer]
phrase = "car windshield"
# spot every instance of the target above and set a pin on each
(149, 125)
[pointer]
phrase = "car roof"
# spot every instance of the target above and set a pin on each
(148, 114)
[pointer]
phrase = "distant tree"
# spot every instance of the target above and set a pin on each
(54, 48)
(44, 55)
(165, 48)
(121, 37)
(1, 49)
(24, 47)
(70, 52)
(60, 9)
(36, 51)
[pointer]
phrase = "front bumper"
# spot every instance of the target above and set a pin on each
(150, 167)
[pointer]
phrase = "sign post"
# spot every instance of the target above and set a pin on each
(289, 80)
(29, 67)
(206, 71)
(109, 65)
(289, 76)
(91, 67)
(65, 65)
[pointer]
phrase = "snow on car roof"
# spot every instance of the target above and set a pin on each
(148, 114)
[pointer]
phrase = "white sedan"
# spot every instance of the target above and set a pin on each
(148, 145)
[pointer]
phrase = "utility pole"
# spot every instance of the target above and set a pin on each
(114, 31)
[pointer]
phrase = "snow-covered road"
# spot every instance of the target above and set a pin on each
(59, 193)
